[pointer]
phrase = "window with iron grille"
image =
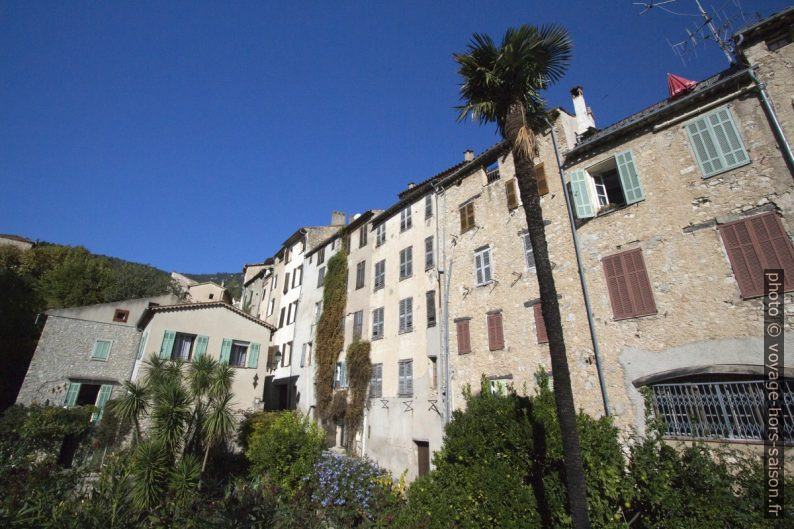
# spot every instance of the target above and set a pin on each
(406, 315)
(377, 323)
(405, 386)
(376, 382)
(406, 262)
(405, 219)
(430, 299)
(428, 207)
(719, 410)
(492, 172)
(360, 267)
(482, 266)
(380, 234)
(380, 274)
(358, 325)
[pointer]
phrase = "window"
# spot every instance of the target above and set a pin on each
(428, 253)
(511, 193)
(605, 186)
(183, 347)
(430, 299)
(358, 325)
(464, 340)
(405, 219)
(428, 207)
(238, 354)
(297, 277)
(406, 315)
(340, 375)
(406, 263)
(433, 372)
(142, 345)
(754, 244)
(318, 310)
(529, 254)
(286, 283)
(321, 255)
(719, 410)
(380, 274)
(496, 337)
(271, 307)
(467, 217)
(292, 312)
(362, 236)
(482, 266)
(121, 315)
(500, 385)
(492, 172)
(422, 457)
(540, 178)
(286, 354)
(287, 255)
(716, 143)
(281, 317)
(101, 350)
(274, 282)
(376, 382)
(540, 323)
(360, 267)
(628, 285)
(405, 386)
(377, 323)
(380, 234)
(306, 354)
(81, 394)
(320, 276)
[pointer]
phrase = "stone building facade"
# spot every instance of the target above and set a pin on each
(85, 353)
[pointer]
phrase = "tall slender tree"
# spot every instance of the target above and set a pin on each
(502, 84)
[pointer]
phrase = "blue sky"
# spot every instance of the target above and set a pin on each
(197, 136)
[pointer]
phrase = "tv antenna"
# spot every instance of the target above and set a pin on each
(717, 27)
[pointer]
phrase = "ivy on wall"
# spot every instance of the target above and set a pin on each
(330, 332)
(359, 371)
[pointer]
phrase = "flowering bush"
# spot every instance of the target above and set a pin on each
(353, 492)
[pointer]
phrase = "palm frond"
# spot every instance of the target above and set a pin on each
(150, 472)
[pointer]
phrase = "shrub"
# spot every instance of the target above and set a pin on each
(285, 451)
(352, 492)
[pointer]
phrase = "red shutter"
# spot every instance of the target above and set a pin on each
(496, 338)
(464, 343)
(540, 324)
(628, 285)
(540, 176)
(775, 246)
(746, 267)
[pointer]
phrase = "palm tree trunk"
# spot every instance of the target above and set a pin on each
(206, 456)
(563, 395)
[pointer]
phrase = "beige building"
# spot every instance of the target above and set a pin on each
(189, 330)
(23, 243)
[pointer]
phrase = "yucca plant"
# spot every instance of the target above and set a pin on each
(219, 424)
(150, 472)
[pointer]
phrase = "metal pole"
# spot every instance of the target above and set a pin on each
(585, 292)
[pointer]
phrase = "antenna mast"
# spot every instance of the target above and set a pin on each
(725, 45)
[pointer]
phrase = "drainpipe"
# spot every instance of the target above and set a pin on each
(585, 292)
(773, 121)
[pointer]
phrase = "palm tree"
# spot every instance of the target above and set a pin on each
(132, 405)
(218, 425)
(502, 85)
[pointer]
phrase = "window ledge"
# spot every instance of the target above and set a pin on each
(406, 331)
(375, 338)
(484, 284)
(636, 316)
(407, 277)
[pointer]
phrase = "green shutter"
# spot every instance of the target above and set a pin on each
(104, 395)
(101, 350)
(716, 142)
(580, 188)
(142, 344)
(629, 179)
(167, 345)
(253, 355)
(226, 350)
(71, 394)
(727, 136)
(201, 346)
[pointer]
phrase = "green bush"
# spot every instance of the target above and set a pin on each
(285, 451)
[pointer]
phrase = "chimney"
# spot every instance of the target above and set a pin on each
(411, 185)
(584, 116)
(338, 218)
(468, 155)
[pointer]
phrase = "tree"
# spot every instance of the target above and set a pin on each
(502, 84)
